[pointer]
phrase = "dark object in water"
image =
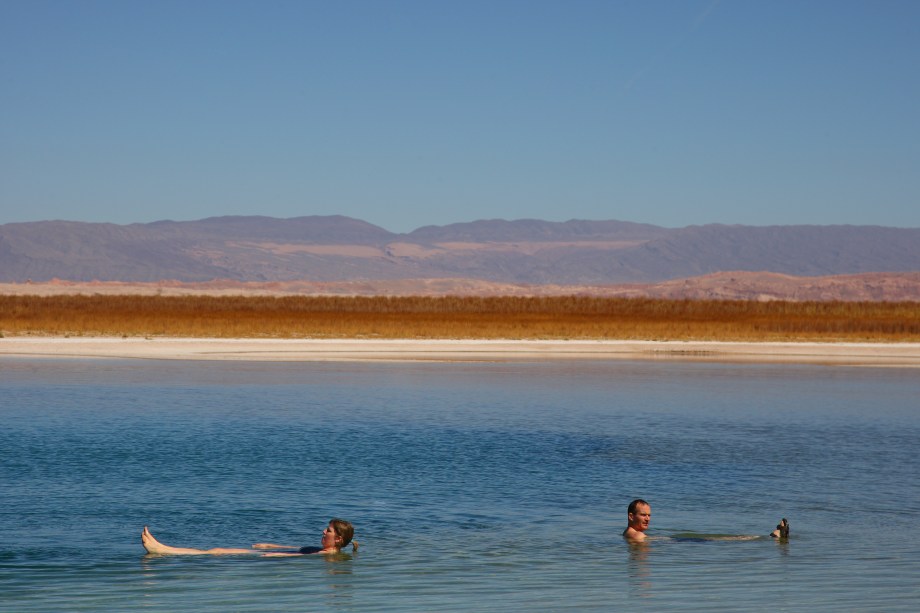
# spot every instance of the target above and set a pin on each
(782, 529)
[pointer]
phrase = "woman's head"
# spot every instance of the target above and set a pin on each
(344, 531)
(338, 534)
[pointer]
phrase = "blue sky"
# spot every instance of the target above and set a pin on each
(406, 113)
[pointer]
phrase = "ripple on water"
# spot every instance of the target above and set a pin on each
(472, 486)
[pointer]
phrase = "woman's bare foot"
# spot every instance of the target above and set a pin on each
(151, 544)
(154, 546)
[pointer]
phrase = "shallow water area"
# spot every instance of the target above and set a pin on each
(472, 486)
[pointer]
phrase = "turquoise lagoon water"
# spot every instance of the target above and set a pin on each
(472, 486)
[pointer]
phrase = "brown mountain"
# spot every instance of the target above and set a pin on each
(534, 252)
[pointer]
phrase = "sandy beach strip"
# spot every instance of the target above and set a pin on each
(312, 350)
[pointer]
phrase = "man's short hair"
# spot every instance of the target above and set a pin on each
(635, 503)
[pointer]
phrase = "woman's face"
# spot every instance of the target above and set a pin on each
(329, 538)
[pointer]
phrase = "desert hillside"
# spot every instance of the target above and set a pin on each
(354, 254)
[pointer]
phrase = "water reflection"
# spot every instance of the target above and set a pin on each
(338, 571)
(783, 546)
(638, 569)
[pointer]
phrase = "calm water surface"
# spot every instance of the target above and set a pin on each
(472, 486)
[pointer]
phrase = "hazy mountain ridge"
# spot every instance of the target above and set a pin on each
(486, 230)
(528, 252)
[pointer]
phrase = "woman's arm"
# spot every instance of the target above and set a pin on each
(286, 554)
(272, 546)
(305, 551)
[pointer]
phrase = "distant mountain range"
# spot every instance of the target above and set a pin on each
(533, 252)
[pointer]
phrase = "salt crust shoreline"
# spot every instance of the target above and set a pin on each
(443, 350)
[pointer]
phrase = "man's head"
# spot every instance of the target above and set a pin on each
(639, 514)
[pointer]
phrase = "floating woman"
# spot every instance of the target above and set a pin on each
(337, 534)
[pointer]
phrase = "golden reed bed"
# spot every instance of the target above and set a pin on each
(551, 318)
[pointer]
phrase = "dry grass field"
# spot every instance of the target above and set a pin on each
(458, 317)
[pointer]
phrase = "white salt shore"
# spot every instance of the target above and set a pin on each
(307, 350)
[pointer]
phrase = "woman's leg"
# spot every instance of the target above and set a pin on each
(154, 546)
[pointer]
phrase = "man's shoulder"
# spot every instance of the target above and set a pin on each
(633, 535)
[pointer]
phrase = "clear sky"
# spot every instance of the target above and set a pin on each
(410, 113)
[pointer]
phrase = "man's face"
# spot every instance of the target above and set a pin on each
(640, 519)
